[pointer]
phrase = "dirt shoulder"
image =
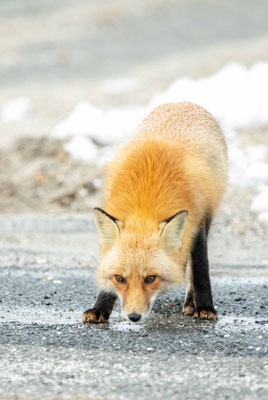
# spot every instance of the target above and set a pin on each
(37, 175)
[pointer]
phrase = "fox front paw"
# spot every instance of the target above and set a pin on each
(188, 310)
(206, 313)
(93, 316)
(189, 305)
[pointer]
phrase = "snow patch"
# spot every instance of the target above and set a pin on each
(260, 204)
(263, 217)
(258, 173)
(236, 96)
(16, 109)
(105, 127)
(82, 148)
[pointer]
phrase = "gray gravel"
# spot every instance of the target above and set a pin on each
(47, 267)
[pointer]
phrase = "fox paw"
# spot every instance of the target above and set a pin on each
(206, 313)
(93, 316)
(188, 310)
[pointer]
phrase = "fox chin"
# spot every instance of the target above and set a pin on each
(161, 193)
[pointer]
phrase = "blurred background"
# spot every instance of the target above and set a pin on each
(77, 76)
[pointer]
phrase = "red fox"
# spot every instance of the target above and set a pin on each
(161, 193)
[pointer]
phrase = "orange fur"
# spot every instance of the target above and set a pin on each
(176, 160)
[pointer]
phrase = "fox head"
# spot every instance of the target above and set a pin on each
(137, 266)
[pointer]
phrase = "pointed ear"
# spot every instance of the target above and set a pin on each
(108, 227)
(172, 231)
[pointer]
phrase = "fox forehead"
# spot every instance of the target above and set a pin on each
(126, 263)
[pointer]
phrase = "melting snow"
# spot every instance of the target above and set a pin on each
(260, 204)
(82, 148)
(16, 109)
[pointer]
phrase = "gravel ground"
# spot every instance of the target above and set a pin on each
(47, 266)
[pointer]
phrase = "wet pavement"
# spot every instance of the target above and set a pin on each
(47, 267)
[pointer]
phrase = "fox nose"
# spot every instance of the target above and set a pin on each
(134, 317)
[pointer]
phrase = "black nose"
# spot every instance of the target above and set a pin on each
(134, 317)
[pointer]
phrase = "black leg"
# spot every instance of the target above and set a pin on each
(200, 277)
(101, 310)
(198, 300)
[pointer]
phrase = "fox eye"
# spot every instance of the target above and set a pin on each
(120, 279)
(149, 279)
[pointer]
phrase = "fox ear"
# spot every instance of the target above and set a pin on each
(172, 230)
(108, 227)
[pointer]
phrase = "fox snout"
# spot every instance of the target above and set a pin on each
(135, 311)
(134, 317)
(136, 305)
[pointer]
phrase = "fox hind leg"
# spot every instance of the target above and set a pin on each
(102, 309)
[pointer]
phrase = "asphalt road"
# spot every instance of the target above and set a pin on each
(47, 267)
(105, 39)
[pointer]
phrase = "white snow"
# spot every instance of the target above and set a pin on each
(16, 109)
(263, 216)
(258, 173)
(81, 147)
(106, 127)
(260, 204)
(248, 167)
(257, 153)
(235, 95)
